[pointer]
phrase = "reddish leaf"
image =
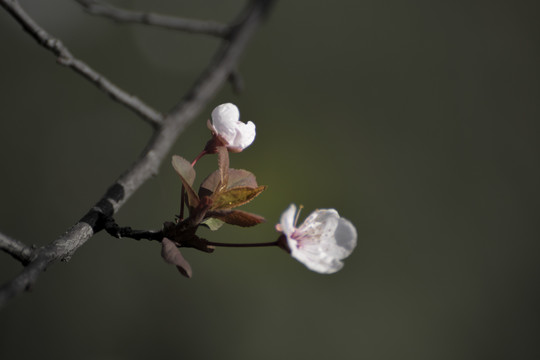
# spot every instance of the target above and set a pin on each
(198, 213)
(187, 175)
(237, 217)
(237, 178)
(184, 169)
(172, 255)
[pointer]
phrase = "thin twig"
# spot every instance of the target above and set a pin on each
(119, 232)
(16, 248)
(237, 82)
(64, 57)
(243, 245)
(209, 82)
(169, 22)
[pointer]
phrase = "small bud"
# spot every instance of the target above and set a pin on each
(228, 130)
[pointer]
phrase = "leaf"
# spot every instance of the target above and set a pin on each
(237, 217)
(187, 175)
(235, 197)
(237, 178)
(213, 223)
(171, 255)
(184, 169)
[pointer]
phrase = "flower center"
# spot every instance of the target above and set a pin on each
(300, 237)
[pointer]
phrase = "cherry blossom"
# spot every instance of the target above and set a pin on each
(322, 241)
(228, 128)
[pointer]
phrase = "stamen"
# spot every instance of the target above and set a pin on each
(300, 207)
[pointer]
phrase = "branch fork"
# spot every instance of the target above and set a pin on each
(166, 130)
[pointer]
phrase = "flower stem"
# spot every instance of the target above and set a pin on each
(271, 243)
(198, 157)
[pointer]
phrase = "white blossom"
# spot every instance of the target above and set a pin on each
(322, 241)
(227, 126)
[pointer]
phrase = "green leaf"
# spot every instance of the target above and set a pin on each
(237, 178)
(187, 175)
(213, 223)
(237, 217)
(235, 197)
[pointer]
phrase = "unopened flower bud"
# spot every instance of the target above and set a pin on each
(228, 129)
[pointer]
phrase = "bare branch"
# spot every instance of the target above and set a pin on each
(118, 232)
(65, 58)
(209, 82)
(236, 81)
(62, 248)
(16, 248)
(169, 22)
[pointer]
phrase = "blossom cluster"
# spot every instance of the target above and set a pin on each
(321, 242)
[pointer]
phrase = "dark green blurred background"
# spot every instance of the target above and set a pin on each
(416, 120)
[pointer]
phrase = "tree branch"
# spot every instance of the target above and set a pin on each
(64, 57)
(169, 22)
(118, 232)
(16, 248)
(209, 82)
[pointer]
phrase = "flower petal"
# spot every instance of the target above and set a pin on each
(287, 220)
(226, 124)
(346, 238)
(245, 134)
(316, 259)
(224, 119)
(322, 241)
(320, 224)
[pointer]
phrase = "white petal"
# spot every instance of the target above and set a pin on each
(345, 238)
(322, 241)
(319, 217)
(315, 259)
(320, 224)
(225, 113)
(225, 118)
(227, 124)
(245, 134)
(287, 220)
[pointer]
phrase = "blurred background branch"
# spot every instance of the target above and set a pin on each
(15, 248)
(417, 120)
(170, 22)
(67, 59)
(166, 131)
